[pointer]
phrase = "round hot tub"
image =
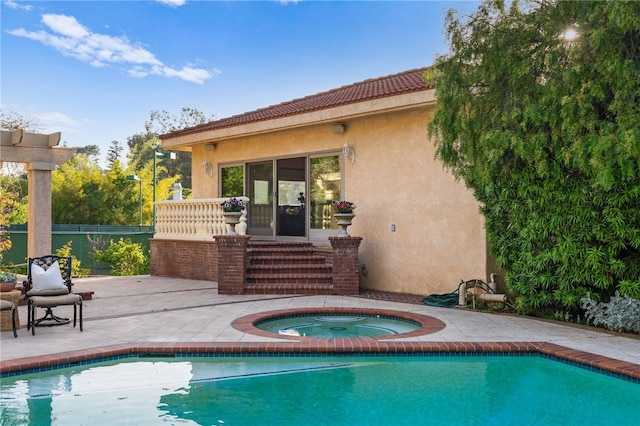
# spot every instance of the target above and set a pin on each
(332, 323)
(338, 325)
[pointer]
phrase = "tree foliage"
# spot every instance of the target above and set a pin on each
(544, 128)
(84, 194)
(13, 121)
(91, 151)
(161, 122)
(141, 149)
(113, 155)
(6, 205)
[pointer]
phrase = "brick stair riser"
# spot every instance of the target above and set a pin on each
(270, 244)
(290, 279)
(284, 260)
(306, 250)
(290, 268)
(288, 290)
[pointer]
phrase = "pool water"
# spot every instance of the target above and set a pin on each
(338, 326)
(322, 390)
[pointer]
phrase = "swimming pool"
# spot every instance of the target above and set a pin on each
(232, 390)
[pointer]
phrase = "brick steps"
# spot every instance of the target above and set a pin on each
(287, 268)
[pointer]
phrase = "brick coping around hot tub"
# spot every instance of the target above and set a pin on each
(342, 346)
(428, 325)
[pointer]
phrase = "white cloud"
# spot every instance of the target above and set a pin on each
(194, 75)
(50, 122)
(73, 39)
(172, 3)
(53, 118)
(65, 25)
(137, 72)
(15, 5)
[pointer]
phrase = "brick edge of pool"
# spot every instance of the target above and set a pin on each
(360, 346)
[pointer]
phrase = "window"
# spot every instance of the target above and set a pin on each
(232, 179)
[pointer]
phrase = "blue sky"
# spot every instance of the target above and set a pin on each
(95, 70)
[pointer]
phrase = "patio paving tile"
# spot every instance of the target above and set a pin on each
(131, 313)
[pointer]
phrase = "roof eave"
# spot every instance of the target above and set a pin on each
(405, 101)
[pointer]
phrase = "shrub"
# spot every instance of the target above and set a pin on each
(621, 313)
(125, 258)
(76, 270)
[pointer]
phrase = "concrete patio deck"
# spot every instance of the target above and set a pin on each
(165, 312)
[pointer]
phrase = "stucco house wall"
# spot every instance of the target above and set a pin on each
(421, 230)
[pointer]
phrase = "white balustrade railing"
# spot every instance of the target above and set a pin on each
(198, 219)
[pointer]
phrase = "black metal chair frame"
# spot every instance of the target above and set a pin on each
(10, 306)
(49, 318)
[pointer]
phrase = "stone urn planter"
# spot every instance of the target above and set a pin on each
(343, 220)
(344, 215)
(232, 211)
(232, 219)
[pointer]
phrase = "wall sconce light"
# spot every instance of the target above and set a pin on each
(349, 153)
(208, 168)
(210, 147)
(338, 128)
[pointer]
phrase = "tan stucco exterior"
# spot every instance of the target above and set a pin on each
(439, 235)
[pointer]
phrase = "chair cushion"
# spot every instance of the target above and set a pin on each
(56, 292)
(6, 305)
(67, 299)
(50, 279)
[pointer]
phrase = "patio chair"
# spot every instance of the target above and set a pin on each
(6, 305)
(48, 285)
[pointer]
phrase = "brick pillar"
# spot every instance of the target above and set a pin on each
(346, 268)
(232, 263)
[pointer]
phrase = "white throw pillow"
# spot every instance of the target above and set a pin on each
(51, 279)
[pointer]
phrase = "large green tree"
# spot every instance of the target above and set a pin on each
(143, 145)
(82, 193)
(538, 107)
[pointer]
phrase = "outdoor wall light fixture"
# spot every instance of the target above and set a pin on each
(338, 128)
(208, 168)
(349, 153)
(210, 147)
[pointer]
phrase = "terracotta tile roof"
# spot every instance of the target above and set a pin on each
(395, 84)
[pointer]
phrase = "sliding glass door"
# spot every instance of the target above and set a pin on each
(291, 197)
